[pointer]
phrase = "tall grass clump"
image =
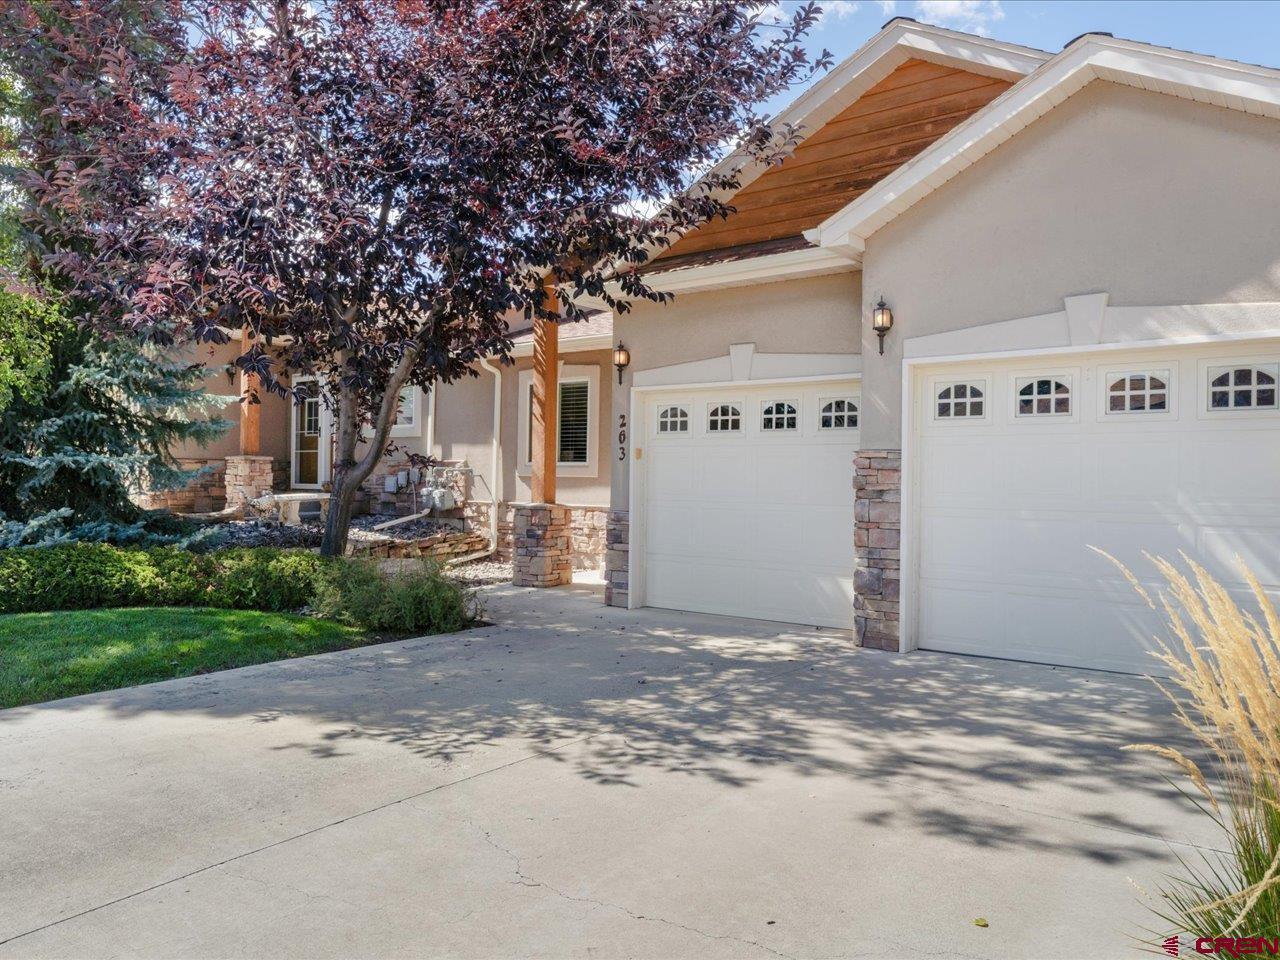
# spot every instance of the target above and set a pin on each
(1224, 668)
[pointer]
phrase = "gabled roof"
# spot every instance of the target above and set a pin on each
(1224, 83)
(899, 43)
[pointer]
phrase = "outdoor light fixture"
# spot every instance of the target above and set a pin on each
(621, 359)
(881, 322)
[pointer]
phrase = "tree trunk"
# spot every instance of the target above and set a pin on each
(338, 521)
(349, 473)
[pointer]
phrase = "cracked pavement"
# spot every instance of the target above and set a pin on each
(577, 781)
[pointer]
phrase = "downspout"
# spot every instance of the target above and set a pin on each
(431, 422)
(495, 468)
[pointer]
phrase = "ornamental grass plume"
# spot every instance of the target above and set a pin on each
(1224, 683)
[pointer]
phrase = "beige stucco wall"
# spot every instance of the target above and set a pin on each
(810, 315)
(1152, 199)
(274, 430)
(464, 422)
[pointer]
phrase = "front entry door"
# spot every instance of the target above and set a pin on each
(311, 438)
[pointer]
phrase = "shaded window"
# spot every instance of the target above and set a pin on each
(779, 416)
(961, 400)
(723, 418)
(573, 429)
(1251, 387)
(1043, 397)
(1145, 391)
(405, 408)
(839, 415)
(673, 420)
(575, 414)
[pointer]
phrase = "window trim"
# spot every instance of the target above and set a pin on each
(1207, 367)
(414, 427)
(854, 398)
(983, 383)
(710, 405)
(1068, 377)
(590, 374)
(682, 405)
(795, 405)
(1168, 373)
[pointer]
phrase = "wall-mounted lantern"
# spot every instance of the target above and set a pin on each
(881, 322)
(621, 359)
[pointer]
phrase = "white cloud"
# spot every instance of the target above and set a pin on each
(974, 16)
(888, 7)
(837, 9)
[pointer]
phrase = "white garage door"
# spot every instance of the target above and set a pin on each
(748, 501)
(1023, 466)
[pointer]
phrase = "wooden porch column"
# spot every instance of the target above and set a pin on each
(250, 412)
(546, 393)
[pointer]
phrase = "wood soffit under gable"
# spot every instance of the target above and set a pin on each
(884, 128)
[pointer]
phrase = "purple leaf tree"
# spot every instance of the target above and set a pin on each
(369, 186)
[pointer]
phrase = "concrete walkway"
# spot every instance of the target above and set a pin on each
(576, 781)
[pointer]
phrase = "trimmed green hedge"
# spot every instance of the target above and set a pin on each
(85, 576)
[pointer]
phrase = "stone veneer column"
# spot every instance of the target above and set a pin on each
(247, 477)
(617, 550)
(543, 545)
(877, 532)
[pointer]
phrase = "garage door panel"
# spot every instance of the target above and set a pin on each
(1004, 564)
(727, 471)
(960, 545)
(1258, 547)
(670, 473)
(957, 470)
(1132, 469)
(827, 474)
(674, 530)
(824, 536)
(752, 523)
(1128, 540)
(1238, 466)
(1042, 471)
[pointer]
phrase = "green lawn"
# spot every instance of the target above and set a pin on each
(45, 656)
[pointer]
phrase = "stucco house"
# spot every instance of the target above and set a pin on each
(1000, 307)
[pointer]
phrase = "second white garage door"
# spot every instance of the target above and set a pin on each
(748, 501)
(1023, 466)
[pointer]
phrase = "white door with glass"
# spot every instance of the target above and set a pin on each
(311, 435)
(748, 501)
(1022, 466)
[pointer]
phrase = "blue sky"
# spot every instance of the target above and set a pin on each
(1248, 31)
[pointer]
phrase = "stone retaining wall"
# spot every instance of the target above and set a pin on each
(438, 546)
(877, 532)
(204, 494)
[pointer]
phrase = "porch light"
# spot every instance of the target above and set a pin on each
(621, 359)
(881, 322)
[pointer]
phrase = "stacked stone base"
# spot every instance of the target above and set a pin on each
(588, 528)
(247, 478)
(543, 545)
(440, 546)
(617, 553)
(877, 532)
(205, 494)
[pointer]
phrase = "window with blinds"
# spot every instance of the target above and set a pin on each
(574, 414)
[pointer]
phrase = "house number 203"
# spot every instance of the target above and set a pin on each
(622, 436)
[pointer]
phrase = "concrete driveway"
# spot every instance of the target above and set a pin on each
(577, 781)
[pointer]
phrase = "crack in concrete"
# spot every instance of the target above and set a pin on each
(525, 880)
